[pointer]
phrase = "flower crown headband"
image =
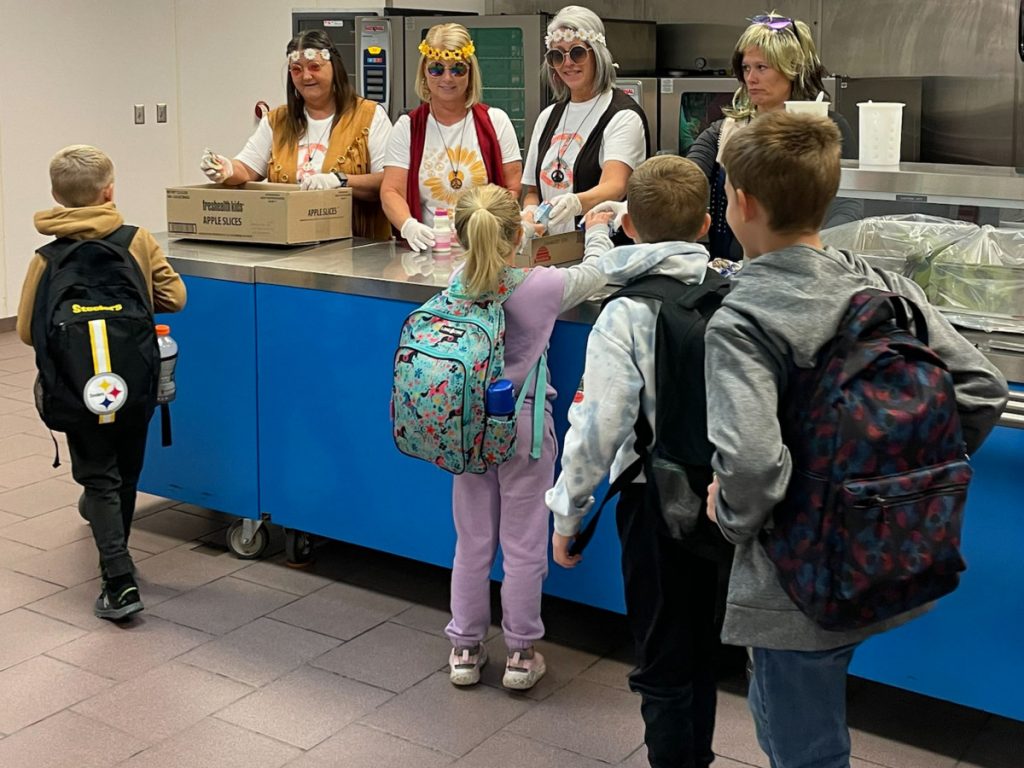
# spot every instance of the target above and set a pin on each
(309, 54)
(443, 54)
(564, 35)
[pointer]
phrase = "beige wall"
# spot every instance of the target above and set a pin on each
(70, 72)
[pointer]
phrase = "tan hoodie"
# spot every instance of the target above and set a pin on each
(166, 288)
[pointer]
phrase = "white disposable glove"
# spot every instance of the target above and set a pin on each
(321, 181)
(563, 209)
(613, 206)
(216, 167)
(417, 234)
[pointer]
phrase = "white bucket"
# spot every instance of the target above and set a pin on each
(881, 125)
(817, 108)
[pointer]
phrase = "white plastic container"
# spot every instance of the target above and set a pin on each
(442, 231)
(881, 126)
(166, 388)
(818, 108)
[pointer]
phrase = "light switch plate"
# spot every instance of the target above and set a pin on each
(161, 113)
(140, 114)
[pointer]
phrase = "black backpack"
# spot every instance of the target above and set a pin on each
(93, 334)
(677, 467)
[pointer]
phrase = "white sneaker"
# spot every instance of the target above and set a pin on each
(465, 664)
(522, 673)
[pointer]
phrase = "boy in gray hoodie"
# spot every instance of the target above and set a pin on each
(782, 172)
(670, 593)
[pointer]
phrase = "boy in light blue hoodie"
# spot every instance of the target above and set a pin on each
(671, 594)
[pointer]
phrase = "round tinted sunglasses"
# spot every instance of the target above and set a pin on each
(458, 69)
(556, 58)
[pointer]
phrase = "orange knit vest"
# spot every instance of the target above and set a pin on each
(348, 151)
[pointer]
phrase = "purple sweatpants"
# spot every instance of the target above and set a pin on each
(503, 506)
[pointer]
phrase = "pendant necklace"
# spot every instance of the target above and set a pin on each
(454, 176)
(307, 166)
(558, 175)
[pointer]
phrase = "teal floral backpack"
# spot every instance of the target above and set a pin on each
(450, 351)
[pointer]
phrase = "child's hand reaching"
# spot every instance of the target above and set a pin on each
(560, 550)
(598, 219)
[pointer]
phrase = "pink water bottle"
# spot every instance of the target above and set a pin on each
(442, 231)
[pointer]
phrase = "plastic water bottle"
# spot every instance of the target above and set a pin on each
(501, 398)
(442, 231)
(166, 388)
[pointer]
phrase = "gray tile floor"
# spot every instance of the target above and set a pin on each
(257, 665)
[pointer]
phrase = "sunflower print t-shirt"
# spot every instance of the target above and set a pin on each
(450, 152)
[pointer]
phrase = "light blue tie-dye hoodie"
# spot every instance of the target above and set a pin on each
(619, 375)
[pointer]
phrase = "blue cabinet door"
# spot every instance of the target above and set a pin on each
(212, 461)
(968, 649)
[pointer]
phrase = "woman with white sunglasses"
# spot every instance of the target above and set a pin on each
(324, 137)
(450, 143)
(585, 146)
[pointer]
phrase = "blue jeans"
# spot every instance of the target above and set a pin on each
(798, 700)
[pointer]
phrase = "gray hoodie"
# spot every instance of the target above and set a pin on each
(783, 308)
(618, 377)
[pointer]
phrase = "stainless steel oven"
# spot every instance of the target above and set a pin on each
(644, 91)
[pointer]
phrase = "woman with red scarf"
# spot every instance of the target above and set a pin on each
(448, 144)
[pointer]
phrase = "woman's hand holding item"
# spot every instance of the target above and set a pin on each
(216, 167)
(320, 181)
(417, 234)
(617, 208)
(563, 209)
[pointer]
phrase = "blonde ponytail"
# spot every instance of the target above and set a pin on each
(487, 220)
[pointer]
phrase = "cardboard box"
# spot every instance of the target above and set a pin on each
(278, 214)
(552, 249)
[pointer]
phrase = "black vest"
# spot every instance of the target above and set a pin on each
(587, 169)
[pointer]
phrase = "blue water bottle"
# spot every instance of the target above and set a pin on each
(501, 398)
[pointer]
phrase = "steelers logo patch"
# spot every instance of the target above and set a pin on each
(105, 393)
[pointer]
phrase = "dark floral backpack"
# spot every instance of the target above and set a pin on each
(870, 525)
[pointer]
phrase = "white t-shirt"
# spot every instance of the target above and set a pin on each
(256, 153)
(623, 140)
(459, 151)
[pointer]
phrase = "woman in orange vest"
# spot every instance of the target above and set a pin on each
(325, 137)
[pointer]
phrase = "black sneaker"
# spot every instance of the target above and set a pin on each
(118, 600)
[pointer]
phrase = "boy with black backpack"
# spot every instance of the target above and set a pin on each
(87, 307)
(842, 413)
(647, 341)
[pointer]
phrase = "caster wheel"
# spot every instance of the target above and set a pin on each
(254, 549)
(298, 548)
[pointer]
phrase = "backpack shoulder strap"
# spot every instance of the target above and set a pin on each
(52, 251)
(704, 296)
(122, 236)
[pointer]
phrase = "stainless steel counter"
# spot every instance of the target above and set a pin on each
(986, 186)
(389, 270)
(237, 263)
(386, 270)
